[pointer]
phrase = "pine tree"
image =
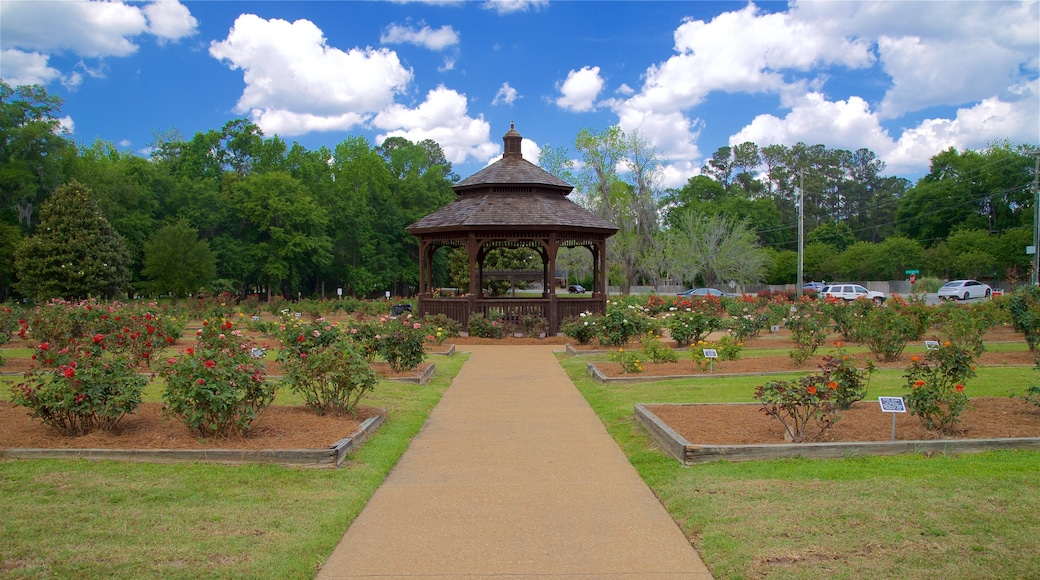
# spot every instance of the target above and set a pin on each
(74, 253)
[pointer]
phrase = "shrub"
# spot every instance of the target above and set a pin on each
(331, 378)
(216, 387)
(631, 361)
(965, 326)
(654, 351)
(886, 331)
(533, 326)
(847, 382)
(447, 327)
(80, 388)
(848, 316)
(689, 326)
(490, 326)
(936, 386)
(621, 323)
(728, 347)
(1024, 309)
(804, 406)
(400, 342)
(747, 318)
(9, 324)
(809, 326)
(582, 328)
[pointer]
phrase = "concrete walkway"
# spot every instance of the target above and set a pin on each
(513, 476)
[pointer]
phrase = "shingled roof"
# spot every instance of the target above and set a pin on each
(511, 193)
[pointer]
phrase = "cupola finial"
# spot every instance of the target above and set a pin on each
(512, 141)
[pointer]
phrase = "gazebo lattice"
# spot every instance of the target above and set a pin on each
(512, 203)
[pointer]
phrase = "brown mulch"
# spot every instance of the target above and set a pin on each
(281, 427)
(752, 365)
(742, 424)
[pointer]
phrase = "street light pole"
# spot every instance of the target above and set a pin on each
(801, 231)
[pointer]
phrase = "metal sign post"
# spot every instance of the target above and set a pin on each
(892, 405)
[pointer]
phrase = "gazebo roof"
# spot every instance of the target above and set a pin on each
(512, 193)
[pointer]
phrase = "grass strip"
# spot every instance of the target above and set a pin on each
(93, 519)
(968, 516)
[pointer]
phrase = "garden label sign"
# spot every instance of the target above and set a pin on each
(892, 405)
(711, 354)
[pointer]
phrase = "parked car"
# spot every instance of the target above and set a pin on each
(814, 287)
(706, 292)
(852, 292)
(576, 289)
(964, 289)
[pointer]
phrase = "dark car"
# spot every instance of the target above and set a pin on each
(576, 289)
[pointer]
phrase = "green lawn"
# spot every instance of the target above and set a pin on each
(969, 516)
(85, 519)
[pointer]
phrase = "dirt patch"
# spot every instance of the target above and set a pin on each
(745, 424)
(765, 364)
(281, 427)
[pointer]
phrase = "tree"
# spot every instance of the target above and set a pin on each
(33, 150)
(177, 261)
(75, 252)
(711, 248)
(631, 203)
(284, 227)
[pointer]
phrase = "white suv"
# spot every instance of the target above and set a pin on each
(851, 292)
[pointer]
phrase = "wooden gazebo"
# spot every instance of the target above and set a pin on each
(512, 203)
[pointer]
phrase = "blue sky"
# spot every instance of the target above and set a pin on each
(904, 79)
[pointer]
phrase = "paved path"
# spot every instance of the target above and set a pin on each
(513, 476)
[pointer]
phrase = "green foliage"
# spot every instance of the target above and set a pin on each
(400, 342)
(78, 388)
(582, 328)
(747, 318)
(490, 326)
(809, 326)
(1024, 308)
(325, 369)
(533, 326)
(439, 327)
(886, 331)
(965, 326)
(631, 361)
(655, 351)
(688, 326)
(728, 347)
(848, 316)
(936, 386)
(841, 375)
(75, 252)
(620, 323)
(177, 262)
(216, 387)
(805, 407)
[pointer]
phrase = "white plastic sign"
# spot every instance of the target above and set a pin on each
(892, 404)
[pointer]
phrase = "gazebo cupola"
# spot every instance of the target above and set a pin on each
(512, 203)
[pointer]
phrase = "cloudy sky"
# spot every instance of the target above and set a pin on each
(904, 79)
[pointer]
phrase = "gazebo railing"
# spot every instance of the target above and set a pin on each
(512, 309)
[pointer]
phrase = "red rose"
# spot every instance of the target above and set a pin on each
(69, 372)
(98, 338)
(210, 364)
(812, 390)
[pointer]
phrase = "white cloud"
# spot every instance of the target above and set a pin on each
(26, 68)
(511, 6)
(442, 117)
(296, 83)
(850, 124)
(66, 125)
(426, 37)
(31, 31)
(170, 20)
(506, 95)
(580, 89)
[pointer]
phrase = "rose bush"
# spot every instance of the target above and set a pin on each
(216, 387)
(936, 386)
(79, 388)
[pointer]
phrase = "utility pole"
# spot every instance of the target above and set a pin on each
(801, 231)
(1036, 220)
